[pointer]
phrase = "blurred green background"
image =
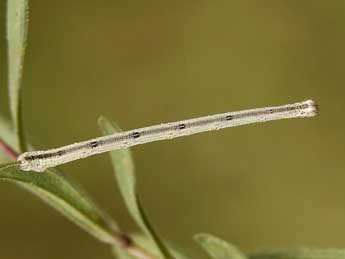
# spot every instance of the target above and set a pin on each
(146, 62)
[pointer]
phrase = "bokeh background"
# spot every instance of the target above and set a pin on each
(146, 62)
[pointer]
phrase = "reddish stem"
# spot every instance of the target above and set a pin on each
(8, 150)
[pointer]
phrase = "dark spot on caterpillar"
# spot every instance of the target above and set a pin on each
(60, 153)
(228, 117)
(29, 158)
(182, 126)
(94, 144)
(135, 135)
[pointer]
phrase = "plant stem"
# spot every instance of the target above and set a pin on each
(140, 253)
(126, 243)
(8, 150)
(123, 241)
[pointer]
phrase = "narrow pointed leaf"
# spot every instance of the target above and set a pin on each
(52, 187)
(218, 248)
(299, 253)
(17, 29)
(120, 254)
(124, 172)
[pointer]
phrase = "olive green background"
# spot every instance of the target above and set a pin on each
(146, 62)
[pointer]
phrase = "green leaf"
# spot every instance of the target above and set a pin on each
(17, 30)
(8, 165)
(120, 254)
(124, 172)
(144, 241)
(299, 253)
(60, 194)
(52, 187)
(218, 248)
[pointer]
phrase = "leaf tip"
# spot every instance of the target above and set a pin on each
(200, 237)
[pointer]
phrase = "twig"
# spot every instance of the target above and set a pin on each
(8, 150)
(140, 253)
(123, 241)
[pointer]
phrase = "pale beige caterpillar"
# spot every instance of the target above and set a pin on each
(40, 160)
